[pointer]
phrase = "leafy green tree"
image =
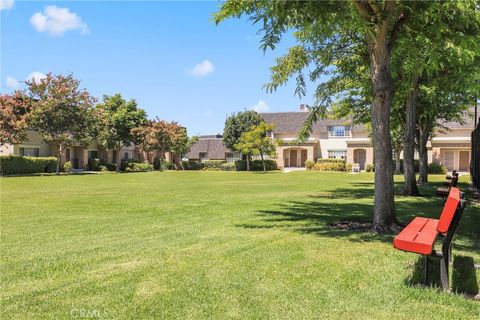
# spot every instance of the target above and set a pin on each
(181, 144)
(352, 43)
(258, 141)
(62, 113)
(236, 125)
(14, 112)
(118, 118)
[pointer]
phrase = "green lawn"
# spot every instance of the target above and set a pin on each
(192, 245)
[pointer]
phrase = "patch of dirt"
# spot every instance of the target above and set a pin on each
(352, 225)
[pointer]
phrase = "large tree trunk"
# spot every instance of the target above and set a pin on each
(248, 161)
(423, 155)
(263, 163)
(118, 160)
(398, 168)
(384, 219)
(410, 186)
(59, 159)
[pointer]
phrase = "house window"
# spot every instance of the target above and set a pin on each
(337, 154)
(30, 152)
(339, 131)
(93, 154)
(232, 156)
(202, 156)
(67, 154)
(125, 156)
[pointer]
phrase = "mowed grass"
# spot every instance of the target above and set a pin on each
(214, 245)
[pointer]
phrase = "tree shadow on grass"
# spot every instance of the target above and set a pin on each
(320, 214)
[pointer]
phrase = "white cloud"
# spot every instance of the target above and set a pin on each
(261, 106)
(11, 83)
(6, 4)
(35, 76)
(56, 21)
(202, 69)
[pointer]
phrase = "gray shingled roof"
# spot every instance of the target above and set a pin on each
(293, 122)
(212, 145)
(468, 119)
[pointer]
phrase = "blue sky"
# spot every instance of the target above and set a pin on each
(169, 56)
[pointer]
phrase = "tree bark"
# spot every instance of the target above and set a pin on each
(248, 162)
(410, 187)
(59, 159)
(384, 219)
(118, 160)
(423, 155)
(398, 168)
(263, 163)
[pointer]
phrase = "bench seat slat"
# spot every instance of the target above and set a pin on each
(418, 236)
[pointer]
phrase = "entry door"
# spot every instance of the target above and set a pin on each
(293, 158)
(304, 157)
(464, 161)
(360, 157)
(449, 159)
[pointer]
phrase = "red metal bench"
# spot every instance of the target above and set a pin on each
(420, 234)
(443, 192)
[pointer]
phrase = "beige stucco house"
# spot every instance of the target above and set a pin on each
(78, 155)
(341, 139)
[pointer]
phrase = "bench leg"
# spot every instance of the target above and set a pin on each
(425, 271)
(444, 261)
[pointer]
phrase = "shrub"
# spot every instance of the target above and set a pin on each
(214, 165)
(416, 165)
(138, 167)
(124, 164)
(256, 165)
(330, 165)
(435, 168)
(26, 165)
(309, 164)
(67, 166)
(167, 165)
(94, 164)
(192, 165)
(370, 168)
(349, 167)
(229, 166)
(156, 163)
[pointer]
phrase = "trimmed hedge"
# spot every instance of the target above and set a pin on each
(213, 165)
(229, 166)
(138, 167)
(330, 165)
(26, 165)
(256, 165)
(192, 165)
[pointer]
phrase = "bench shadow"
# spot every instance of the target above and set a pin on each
(463, 274)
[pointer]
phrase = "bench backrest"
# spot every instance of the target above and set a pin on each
(449, 210)
(454, 181)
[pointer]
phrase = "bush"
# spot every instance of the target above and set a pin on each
(67, 166)
(349, 167)
(214, 165)
(330, 165)
(437, 169)
(416, 165)
(309, 164)
(156, 163)
(229, 166)
(94, 164)
(138, 167)
(192, 165)
(370, 168)
(167, 165)
(256, 165)
(26, 165)
(124, 164)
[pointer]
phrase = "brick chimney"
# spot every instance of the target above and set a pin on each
(303, 108)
